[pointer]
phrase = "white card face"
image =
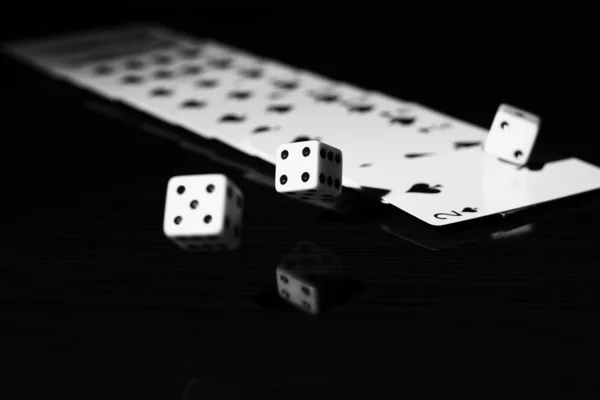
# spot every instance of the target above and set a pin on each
(459, 186)
(371, 127)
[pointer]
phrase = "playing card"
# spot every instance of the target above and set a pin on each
(459, 186)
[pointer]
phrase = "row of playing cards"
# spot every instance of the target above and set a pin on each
(426, 163)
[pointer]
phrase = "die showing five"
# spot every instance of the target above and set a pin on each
(203, 212)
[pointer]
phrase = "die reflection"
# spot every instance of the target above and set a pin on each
(309, 277)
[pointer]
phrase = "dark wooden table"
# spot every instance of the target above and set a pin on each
(96, 303)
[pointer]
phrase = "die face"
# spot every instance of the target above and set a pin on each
(510, 110)
(297, 291)
(309, 169)
(195, 206)
(330, 170)
(512, 135)
(297, 167)
(234, 201)
(308, 276)
(235, 210)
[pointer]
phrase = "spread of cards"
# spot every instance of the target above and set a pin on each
(321, 134)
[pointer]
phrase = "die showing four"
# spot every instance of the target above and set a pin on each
(308, 277)
(309, 169)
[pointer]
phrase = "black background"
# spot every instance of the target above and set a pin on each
(96, 303)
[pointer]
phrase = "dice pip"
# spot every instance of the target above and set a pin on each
(513, 134)
(309, 277)
(309, 169)
(203, 212)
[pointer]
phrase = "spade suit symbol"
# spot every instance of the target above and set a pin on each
(323, 97)
(461, 145)
(240, 94)
(417, 155)
(260, 129)
(192, 103)
(402, 120)
(280, 108)
(326, 98)
(232, 118)
(220, 63)
(207, 83)
(469, 209)
(265, 128)
(424, 188)
(285, 85)
(251, 73)
(399, 119)
(360, 108)
(161, 92)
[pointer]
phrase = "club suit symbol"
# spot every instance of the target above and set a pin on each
(424, 188)
(469, 209)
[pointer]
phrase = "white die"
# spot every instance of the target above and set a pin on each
(513, 134)
(308, 169)
(203, 212)
(308, 276)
